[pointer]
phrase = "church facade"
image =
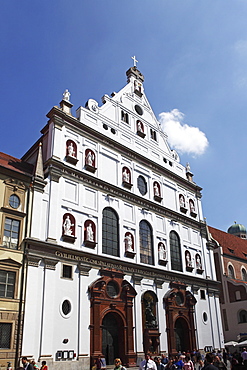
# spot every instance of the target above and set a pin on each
(118, 261)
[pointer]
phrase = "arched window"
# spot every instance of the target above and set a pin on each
(110, 232)
(242, 316)
(146, 243)
(231, 274)
(244, 274)
(176, 260)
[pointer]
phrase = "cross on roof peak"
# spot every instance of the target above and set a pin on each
(135, 60)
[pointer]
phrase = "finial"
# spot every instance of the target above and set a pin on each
(66, 95)
(135, 60)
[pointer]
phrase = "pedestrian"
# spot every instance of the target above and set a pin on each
(164, 359)
(208, 364)
(118, 364)
(43, 366)
(99, 363)
(147, 363)
(244, 354)
(34, 364)
(188, 364)
(26, 364)
(179, 362)
(219, 363)
(159, 364)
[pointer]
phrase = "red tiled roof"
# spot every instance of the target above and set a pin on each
(232, 245)
(15, 164)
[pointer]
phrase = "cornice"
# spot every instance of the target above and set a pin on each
(57, 116)
(50, 251)
(58, 169)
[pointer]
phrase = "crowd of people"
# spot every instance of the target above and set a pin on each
(220, 360)
(31, 365)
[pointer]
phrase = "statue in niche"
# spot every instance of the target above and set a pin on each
(162, 252)
(137, 85)
(156, 190)
(139, 126)
(181, 201)
(128, 243)
(90, 158)
(192, 206)
(188, 259)
(149, 315)
(198, 262)
(90, 233)
(71, 151)
(66, 95)
(126, 176)
(67, 226)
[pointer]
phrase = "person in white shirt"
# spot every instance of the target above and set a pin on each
(244, 354)
(147, 363)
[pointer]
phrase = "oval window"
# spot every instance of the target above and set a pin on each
(112, 289)
(142, 185)
(14, 201)
(138, 110)
(66, 307)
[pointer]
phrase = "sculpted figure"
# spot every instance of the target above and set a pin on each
(71, 151)
(156, 189)
(126, 176)
(66, 95)
(192, 206)
(139, 126)
(90, 158)
(67, 226)
(181, 201)
(188, 260)
(128, 243)
(187, 167)
(198, 262)
(162, 252)
(90, 234)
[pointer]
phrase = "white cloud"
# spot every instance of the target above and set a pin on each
(182, 137)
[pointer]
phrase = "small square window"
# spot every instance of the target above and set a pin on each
(67, 272)
(202, 293)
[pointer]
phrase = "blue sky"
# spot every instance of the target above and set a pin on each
(192, 53)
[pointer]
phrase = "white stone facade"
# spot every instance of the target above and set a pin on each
(82, 180)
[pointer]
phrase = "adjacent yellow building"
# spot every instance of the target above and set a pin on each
(15, 180)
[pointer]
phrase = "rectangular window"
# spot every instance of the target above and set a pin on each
(67, 272)
(202, 293)
(5, 335)
(11, 233)
(7, 284)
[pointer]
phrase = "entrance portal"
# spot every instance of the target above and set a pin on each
(181, 335)
(180, 306)
(112, 334)
(111, 322)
